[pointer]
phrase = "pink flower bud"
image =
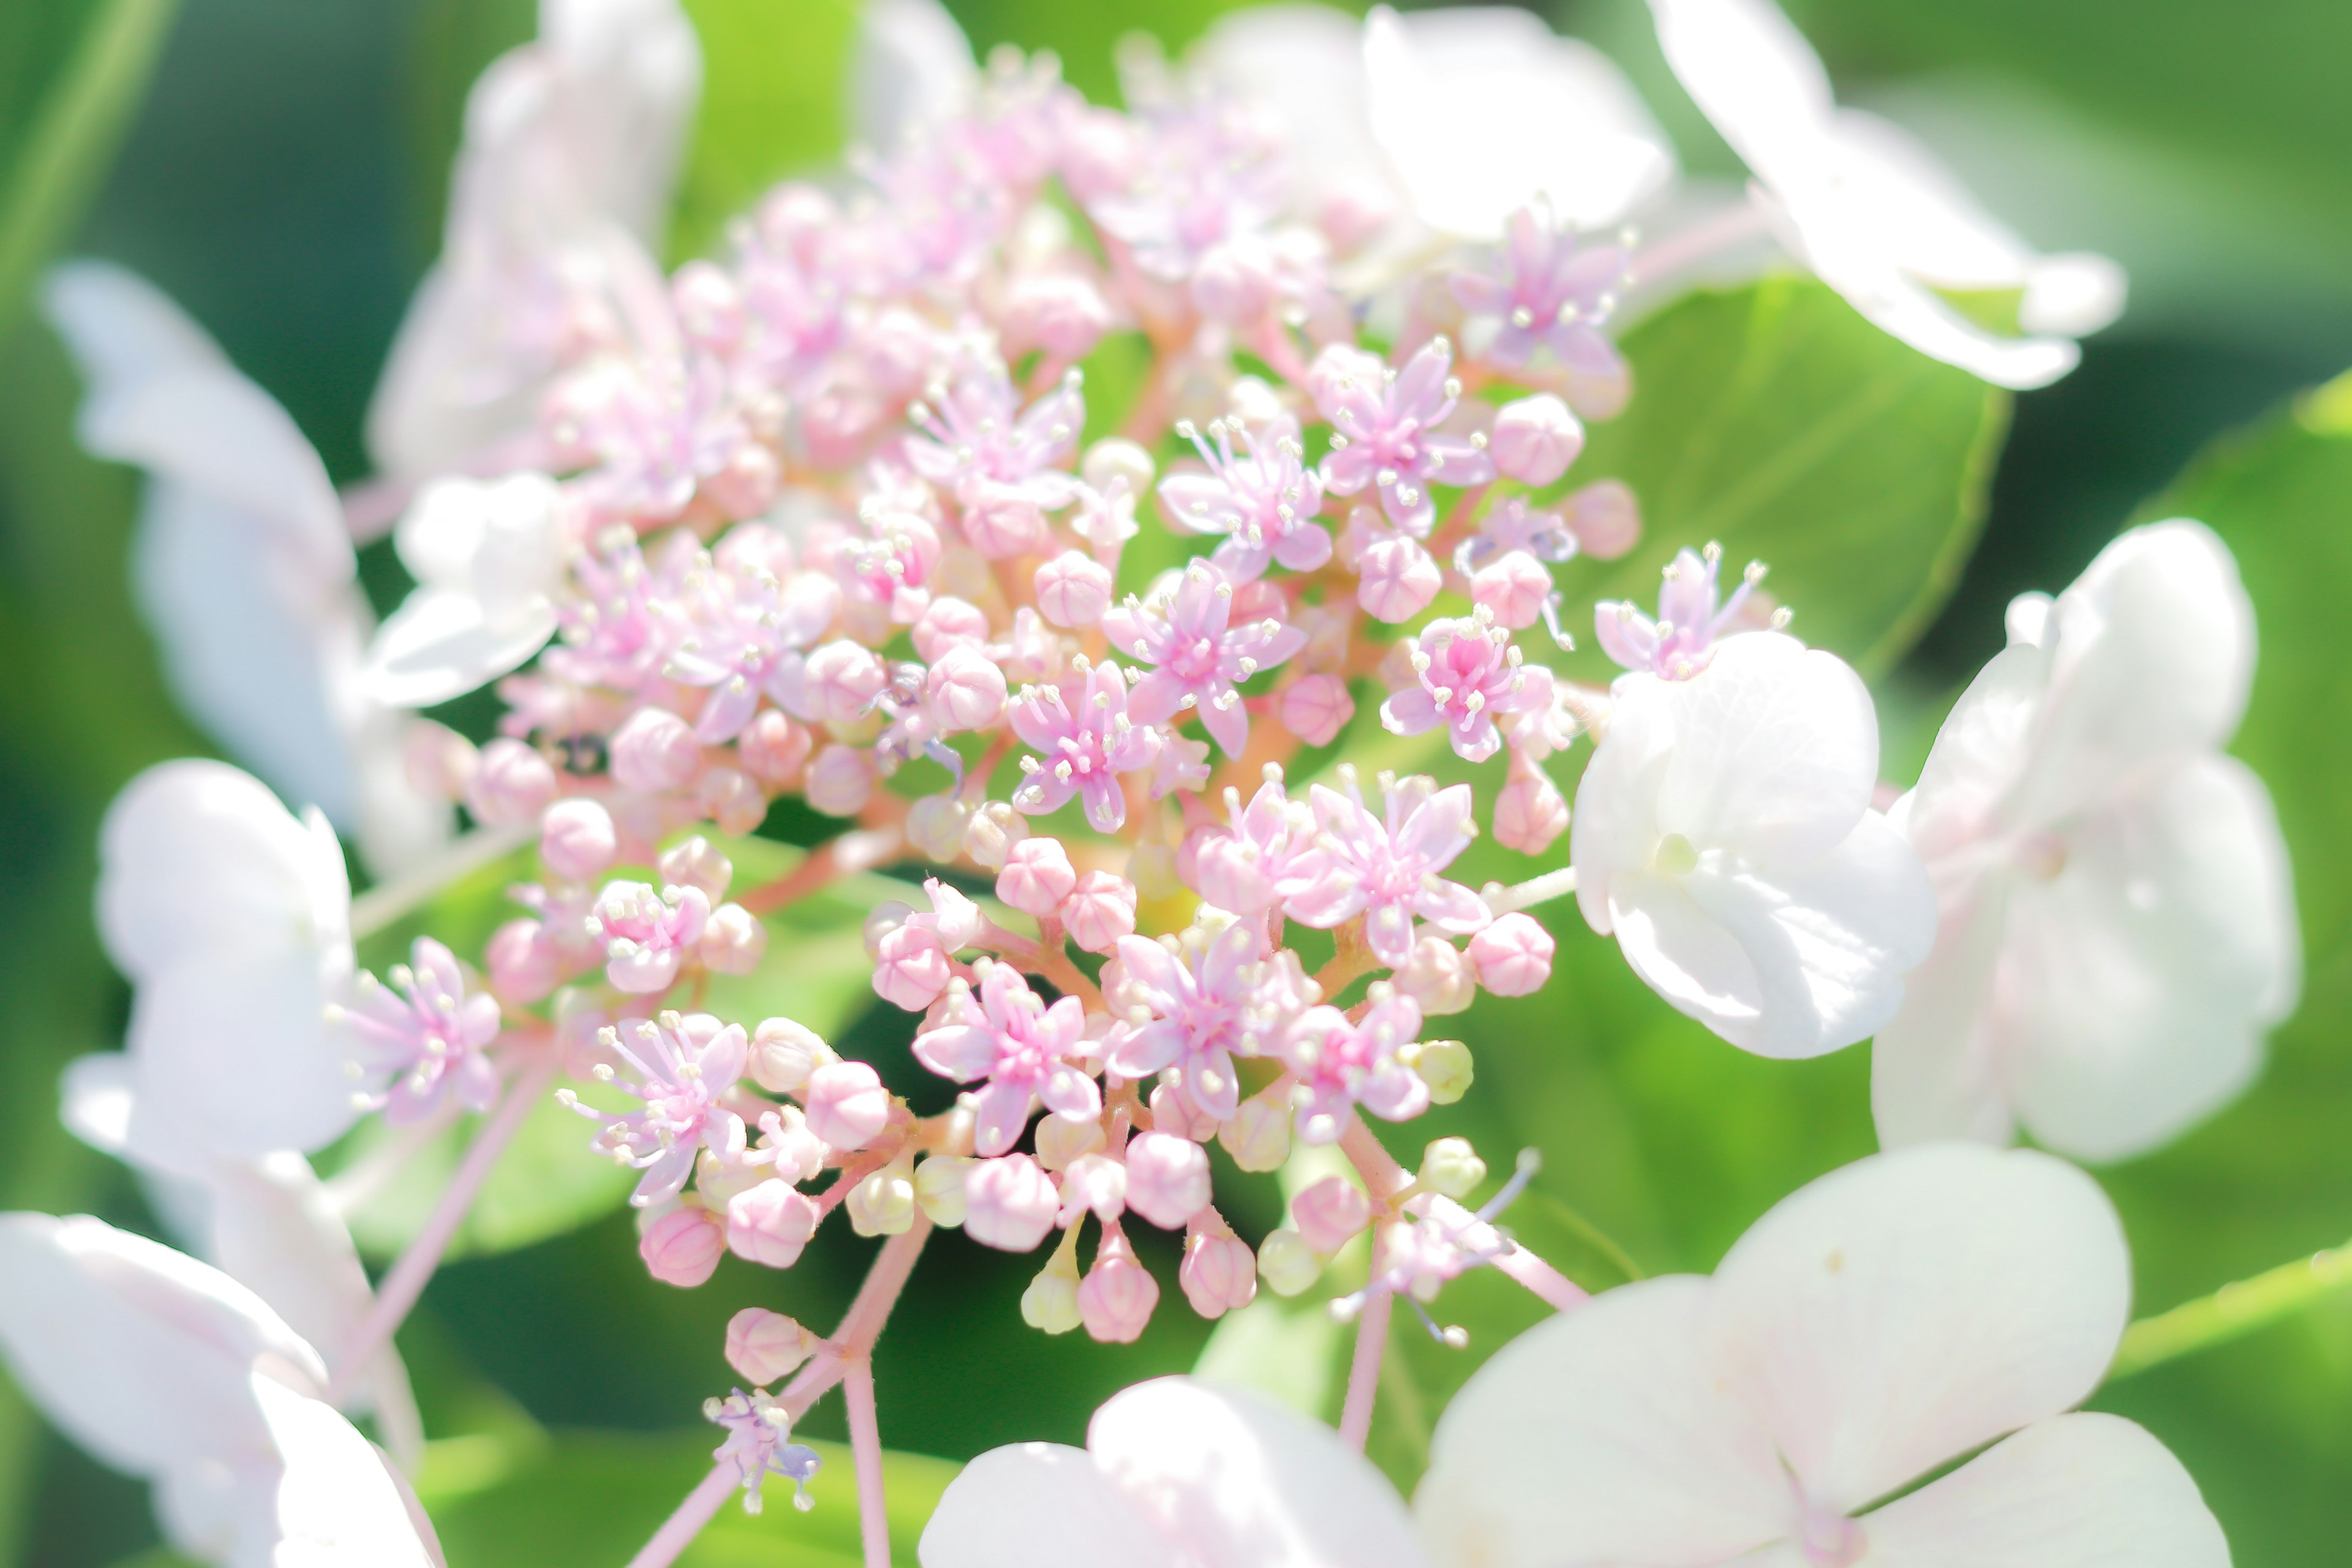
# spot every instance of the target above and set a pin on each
(711, 311)
(1219, 1273)
(1115, 1297)
(654, 752)
(948, 622)
(1061, 312)
(769, 1224)
(785, 1053)
(1009, 1204)
(1605, 518)
(774, 750)
(682, 1247)
(438, 761)
(1329, 1212)
(1096, 1183)
(847, 1104)
(1172, 1110)
(841, 781)
(1001, 522)
(1438, 977)
(965, 689)
(733, 798)
(1398, 579)
(1530, 812)
(764, 1346)
(513, 784)
(524, 966)
(1167, 1178)
(1513, 956)
(1073, 590)
(733, 941)
(1062, 1142)
(1236, 283)
(1534, 439)
(577, 840)
(1514, 586)
(697, 863)
(1116, 458)
(840, 681)
(1315, 707)
(1099, 910)
(910, 967)
(993, 833)
(1037, 877)
(747, 484)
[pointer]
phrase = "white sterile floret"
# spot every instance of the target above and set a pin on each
(1723, 832)
(1175, 1473)
(489, 558)
(1879, 1324)
(2119, 918)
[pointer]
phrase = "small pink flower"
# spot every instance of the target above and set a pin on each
(683, 1247)
(740, 638)
(1253, 866)
(892, 567)
(1545, 291)
(1513, 956)
(847, 1104)
(1167, 1178)
(1340, 1065)
(1682, 641)
(1386, 869)
(1197, 1015)
(1264, 501)
(428, 1033)
(1081, 726)
(980, 437)
(1006, 1033)
(682, 1070)
(1469, 671)
(1009, 1204)
(1201, 656)
(1385, 434)
(646, 935)
(1117, 1297)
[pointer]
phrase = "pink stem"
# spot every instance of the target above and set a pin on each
(866, 1449)
(1702, 241)
(400, 1288)
(1364, 1375)
(679, 1531)
(862, 1324)
(1557, 1289)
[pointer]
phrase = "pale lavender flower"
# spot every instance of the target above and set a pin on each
(742, 636)
(1691, 623)
(1545, 291)
(980, 435)
(1265, 501)
(1469, 671)
(1201, 1015)
(1201, 656)
(1022, 1047)
(1340, 1065)
(1386, 871)
(683, 1067)
(425, 1031)
(758, 1429)
(1082, 726)
(1385, 434)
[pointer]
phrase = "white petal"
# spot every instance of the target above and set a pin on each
(337, 1504)
(1754, 77)
(1303, 66)
(232, 1054)
(2153, 656)
(1776, 751)
(1481, 110)
(1830, 939)
(1687, 956)
(912, 69)
(138, 1352)
(1599, 1436)
(438, 646)
(1039, 1505)
(2074, 292)
(2076, 1491)
(1912, 1306)
(1614, 827)
(1935, 1070)
(1238, 1480)
(1980, 755)
(2138, 984)
(195, 857)
(629, 74)
(120, 328)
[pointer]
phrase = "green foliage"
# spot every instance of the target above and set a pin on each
(1775, 420)
(772, 75)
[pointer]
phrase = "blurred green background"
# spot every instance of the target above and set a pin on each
(279, 171)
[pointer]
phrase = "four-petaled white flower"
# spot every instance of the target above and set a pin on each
(1723, 832)
(1175, 1474)
(2119, 920)
(1871, 210)
(168, 1369)
(1889, 1318)
(489, 558)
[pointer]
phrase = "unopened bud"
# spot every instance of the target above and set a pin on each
(1117, 1297)
(1072, 589)
(1443, 1064)
(774, 750)
(697, 863)
(1534, 439)
(1051, 1301)
(883, 1204)
(1219, 1273)
(1330, 1212)
(1061, 1140)
(785, 1053)
(1037, 877)
(991, 833)
(1115, 458)
(653, 752)
(965, 689)
(841, 780)
(770, 1223)
(936, 825)
(733, 798)
(1450, 1165)
(512, 784)
(1438, 977)
(938, 1187)
(682, 1247)
(847, 1104)
(523, 963)
(1605, 518)
(733, 941)
(577, 840)
(1258, 1133)
(1286, 1264)
(764, 1346)
(1315, 707)
(1167, 1178)
(1099, 910)
(1513, 956)
(1008, 1203)
(910, 967)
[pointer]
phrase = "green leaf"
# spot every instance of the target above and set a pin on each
(71, 75)
(773, 77)
(1774, 419)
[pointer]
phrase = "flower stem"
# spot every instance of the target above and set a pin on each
(865, 1450)
(679, 1531)
(386, 903)
(1502, 900)
(400, 1288)
(1364, 1374)
(2238, 1307)
(1557, 1290)
(862, 1324)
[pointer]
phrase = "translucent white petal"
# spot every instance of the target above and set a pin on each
(1776, 751)
(439, 645)
(140, 1353)
(1040, 1505)
(338, 1505)
(912, 69)
(1935, 1067)
(1303, 65)
(1483, 110)
(120, 328)
(1236, 1479)
(1907, 1308)
(232, 1053)
(2075, 1491)
(1830, 939)
(1979, 756)
(1614, 827)
(1599, 1436)
(1687, 956)
(1754, 77)
(2136, 984)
